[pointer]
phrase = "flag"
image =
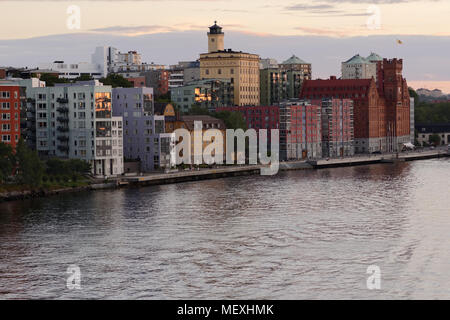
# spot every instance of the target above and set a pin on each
(399, 41)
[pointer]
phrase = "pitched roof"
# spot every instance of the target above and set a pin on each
(294, 60)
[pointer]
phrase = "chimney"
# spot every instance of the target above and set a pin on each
(332, 77)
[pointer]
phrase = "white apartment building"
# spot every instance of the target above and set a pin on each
(359, 67)
(75, 121)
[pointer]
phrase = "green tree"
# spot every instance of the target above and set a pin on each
(6, 161)
(51, 79)
(116, 80)
(413, 94)
(77, 166)
(233, 120)
(30, 167)
(434, 139)
(83, 77)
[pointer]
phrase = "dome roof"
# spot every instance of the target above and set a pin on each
(356, 59)
(294, 60)
(374, 57)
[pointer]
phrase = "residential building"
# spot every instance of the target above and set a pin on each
(337, 127)
(300, 130)
(242, 68)
(283, 81)
(424, 131)
(75, 121)
(143, 131)
(411, 121)
(258, 117)
(10, 109)
(2, 73)
(158, 80)
(359, 67)
(138, 82)
(208, 93)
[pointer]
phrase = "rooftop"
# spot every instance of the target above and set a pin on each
(294, 60)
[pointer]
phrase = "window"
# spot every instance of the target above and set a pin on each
(6, 116)
(6, 127)
(5, 105)
(4, 94)
(6, 138)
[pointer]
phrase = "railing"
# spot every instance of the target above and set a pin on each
(62, 129)
(62, 109)
(62, 119)
(63, 138)
(62, 100)
(63, 148)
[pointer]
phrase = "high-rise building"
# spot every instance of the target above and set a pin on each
(75, 121)
(242, 68)
(143, 131)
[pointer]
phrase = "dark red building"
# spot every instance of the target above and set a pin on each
(380, 111)
(10, 115)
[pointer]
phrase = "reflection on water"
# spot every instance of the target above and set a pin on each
(303, 234)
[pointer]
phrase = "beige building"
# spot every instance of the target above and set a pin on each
(242, 68)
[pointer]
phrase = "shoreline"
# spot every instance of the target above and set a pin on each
(218, 173)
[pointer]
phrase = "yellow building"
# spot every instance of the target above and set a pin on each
(242, 68)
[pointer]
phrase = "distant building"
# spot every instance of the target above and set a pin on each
(242, 68)
(337, 127)
(300, 130)
(424, 131)
(158, 80)
(258, 117)
(183, 73)
(2, 73)
(143, 131)
(75, 121)
(138, 82)
(209, 94)
(10, 107)
(359, 67)
(412, 121)
(381, 110)
(284, 81)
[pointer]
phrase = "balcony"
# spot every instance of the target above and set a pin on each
(63, 138)
(62, 109)
(31, 100)
(63, 148)
(62, 129)
(62, 100)
(62, 119)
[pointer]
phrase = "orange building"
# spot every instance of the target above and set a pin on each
(10, 114)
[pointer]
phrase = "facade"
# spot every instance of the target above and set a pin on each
(282, 82)
(258, 117)
(337, 127)
(424, 131)
(381, 112)
(10, 110)
(359, 67)
(242, 68)
(300, 130)
(75, 121)
(209, 94)
(138, 82)
(158, 80)
(143, 131)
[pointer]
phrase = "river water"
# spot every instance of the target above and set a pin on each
(299, 235)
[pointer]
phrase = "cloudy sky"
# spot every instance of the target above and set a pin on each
(24, 21)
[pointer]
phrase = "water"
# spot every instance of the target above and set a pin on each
(299, 235)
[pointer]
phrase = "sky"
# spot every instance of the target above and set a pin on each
(23, 22)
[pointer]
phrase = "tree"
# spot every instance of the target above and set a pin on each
(6, 161)
(413, 94)
(116, 80)
(434, 139)
(83, 77)
(233, 120)
(51, 79)
(30, 167)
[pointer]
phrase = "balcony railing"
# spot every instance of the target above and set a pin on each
(62, 119)
(63, 138)
(63, 148)
(62, 110)
(62, 100)
(62, 129)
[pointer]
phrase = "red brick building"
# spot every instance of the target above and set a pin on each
(138, 82)
(10, 114)
(380, 111)
(300, 130)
